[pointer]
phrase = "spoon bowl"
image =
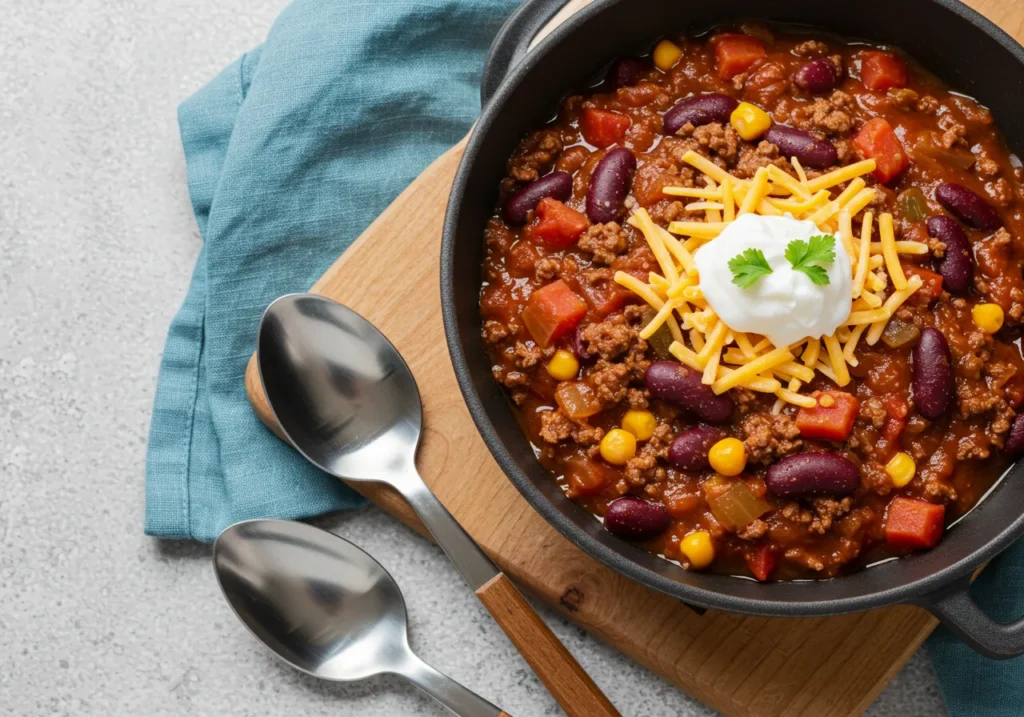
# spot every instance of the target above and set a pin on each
(317, 601)
(326, 608)
(338, 388)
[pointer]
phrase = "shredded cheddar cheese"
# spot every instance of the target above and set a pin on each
(729, 359)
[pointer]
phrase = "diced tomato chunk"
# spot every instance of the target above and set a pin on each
(552, 311)
(736, 53)
(556, 225)
(602, 128)
(830, 422)
(896, 421)
(878, 141)
(914, 524)
(931, 286)
(882, 70)
(761, 561)
(587, 477)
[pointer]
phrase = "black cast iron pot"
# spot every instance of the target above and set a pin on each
(521, 93)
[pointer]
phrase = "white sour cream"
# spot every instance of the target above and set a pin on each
(786, 306)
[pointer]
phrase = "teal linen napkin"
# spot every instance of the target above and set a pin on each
(291, 152)
(972, 685)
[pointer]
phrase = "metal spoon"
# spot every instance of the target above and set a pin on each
(346, 399)
(327, 608)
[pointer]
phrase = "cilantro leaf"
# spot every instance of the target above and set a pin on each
(808, 256)
(747, 267)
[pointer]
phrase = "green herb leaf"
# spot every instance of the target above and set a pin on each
(808, 256)
(748, 267)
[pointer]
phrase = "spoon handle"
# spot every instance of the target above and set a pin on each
(571, 687)
(460, 700)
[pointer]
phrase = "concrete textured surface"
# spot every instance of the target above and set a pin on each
(96, 246)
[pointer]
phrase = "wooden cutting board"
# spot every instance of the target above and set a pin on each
(741, 666)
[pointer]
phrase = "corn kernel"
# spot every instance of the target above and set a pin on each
(988, 317)
(750, 121)
(618, 446)
(901, 469)
(698, 549)
(666, 55)
(563, 365)
(728, 456)
(826, 401)
(640, 423)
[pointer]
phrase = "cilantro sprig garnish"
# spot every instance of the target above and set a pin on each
(747, 267)
(808, 256)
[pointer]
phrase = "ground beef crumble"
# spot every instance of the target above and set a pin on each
(537, 152)
(604, 241)
(769, 437)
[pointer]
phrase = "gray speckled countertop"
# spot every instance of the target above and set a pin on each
(97, 243)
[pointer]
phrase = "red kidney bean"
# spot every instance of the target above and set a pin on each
(699, 110)
(812, 473)
(817, 76)
(968, 206)
(557, 185)
(681, 386)
(932, 377)
(811, 151)
(957, 266)
(625, 71)
(636, 519)
(689, 451)
(609, 185)
(1015, 441)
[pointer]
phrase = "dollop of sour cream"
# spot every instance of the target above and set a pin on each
(786, 306)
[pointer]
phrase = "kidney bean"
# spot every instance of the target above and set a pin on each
(609, 185)
(681, 386)
(812, 473)
(811, 151)
(932, 378)
(557, 185)
(635, 519)
(957, 266)
(699, 110)
(817, 76)
(625, 71)
(1015, 441)
(968, 206)
(689, 451)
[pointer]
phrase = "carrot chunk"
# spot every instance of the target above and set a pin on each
(914, 524)
(832, 419)
(882, 70)
(556, 225)
(602, 128)
(761, 561)
(878, 141)
(736, 53)
(552, 311)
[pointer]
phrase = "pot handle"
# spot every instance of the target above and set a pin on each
(963, 617)
(512, 41)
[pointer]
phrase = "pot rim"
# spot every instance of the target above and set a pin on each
(911, 591)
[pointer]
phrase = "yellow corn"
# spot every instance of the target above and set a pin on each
(666, 55)
(750, 121)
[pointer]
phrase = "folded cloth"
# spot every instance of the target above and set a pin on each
(291, 152)
(972, 685)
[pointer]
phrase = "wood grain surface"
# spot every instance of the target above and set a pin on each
(741, 666)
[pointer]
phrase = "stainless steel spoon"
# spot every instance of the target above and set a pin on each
(345, 398)
(327, 608)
